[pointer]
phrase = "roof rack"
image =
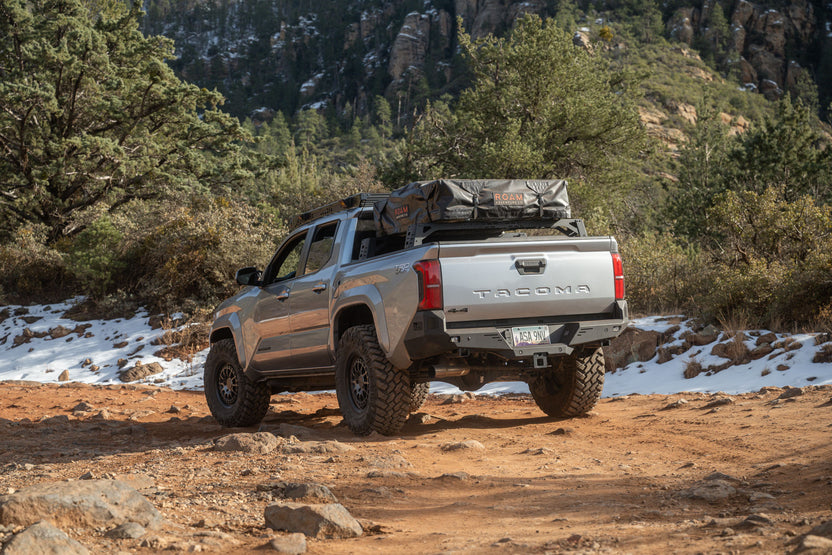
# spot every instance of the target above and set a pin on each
(355, 201)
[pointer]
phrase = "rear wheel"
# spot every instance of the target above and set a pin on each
(372, 393)
(234, 400)
(418, 395)
(573, 387)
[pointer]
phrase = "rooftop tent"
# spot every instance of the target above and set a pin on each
(471, 200)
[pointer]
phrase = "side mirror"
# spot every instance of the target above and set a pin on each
(248, 276)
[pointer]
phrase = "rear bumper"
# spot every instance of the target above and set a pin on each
(430, 335)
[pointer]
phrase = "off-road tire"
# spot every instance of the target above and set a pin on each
(572, 387)
(372, 393)
(234, 400)
(418, 395)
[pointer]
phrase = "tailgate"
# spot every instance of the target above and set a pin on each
(527, 278)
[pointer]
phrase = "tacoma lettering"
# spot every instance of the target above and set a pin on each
(526, 292)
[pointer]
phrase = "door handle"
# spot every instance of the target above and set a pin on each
(319, 288)
(283, 295)
(530, 266)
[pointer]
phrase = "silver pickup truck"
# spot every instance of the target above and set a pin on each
(377, 317)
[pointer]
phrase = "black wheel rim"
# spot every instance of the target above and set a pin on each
(227, 386)
(359, 384)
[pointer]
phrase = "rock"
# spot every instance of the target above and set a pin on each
(460, 476)
(812, 544)
(581, 40)
(390, 461)
(562, 432)
(309, 491)
(824, 530)
(128, 530)
(766, 338)
(711, 491)
(761, 351)
(292, 544)
(83, 406)
(756, 521)
(43, 538)
(319, 447)
(328, 521)
(675, 405)
(721, 476)
(386, 474)
(58, 332)
(64, 377)
(666, 354)
(459, 445)
(791, 392)
(257, 442)
(633, 345)
(88, 503)
(300, 432)
(140, 371)
(721, 402)
(410, 45)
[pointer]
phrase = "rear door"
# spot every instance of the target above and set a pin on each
(528, 278)
(310, 301)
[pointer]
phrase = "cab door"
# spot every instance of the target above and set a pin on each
(271, 321)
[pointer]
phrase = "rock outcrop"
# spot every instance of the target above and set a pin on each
(760, 35)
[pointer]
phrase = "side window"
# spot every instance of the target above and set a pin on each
(321, 248)
(285, 263)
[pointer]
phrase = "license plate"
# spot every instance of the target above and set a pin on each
(530, 335)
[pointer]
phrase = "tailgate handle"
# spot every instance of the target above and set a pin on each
(530, 265)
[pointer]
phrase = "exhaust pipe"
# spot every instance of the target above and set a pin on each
(448, 368)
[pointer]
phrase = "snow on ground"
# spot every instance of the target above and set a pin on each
(44, 359)
(104, 342)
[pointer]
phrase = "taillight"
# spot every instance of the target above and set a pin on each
(618, 273)
(430, 284)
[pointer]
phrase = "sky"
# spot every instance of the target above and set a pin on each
(104, 342)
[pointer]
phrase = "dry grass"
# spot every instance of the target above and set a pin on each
(824, 354)
(185, 340)
(692, 368)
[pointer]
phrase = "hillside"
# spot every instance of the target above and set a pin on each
(289, 55)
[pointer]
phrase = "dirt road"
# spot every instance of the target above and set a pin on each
(483, 475)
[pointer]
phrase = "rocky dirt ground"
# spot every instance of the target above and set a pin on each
(691, 472)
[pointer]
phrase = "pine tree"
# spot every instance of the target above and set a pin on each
(539, 107)
(91, 116)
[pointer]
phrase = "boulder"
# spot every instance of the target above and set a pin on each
(324, 521)
(633, 345)
(140, 371)
(711, 491)
(310, 492)
(87, 503)
(258, 442)
(43, 539)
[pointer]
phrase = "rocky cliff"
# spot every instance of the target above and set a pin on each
(290, 54)
(767, 41)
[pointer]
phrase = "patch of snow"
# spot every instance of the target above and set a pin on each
(44, 359)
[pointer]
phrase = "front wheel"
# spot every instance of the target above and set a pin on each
(573, 387)
(234, 400)
(372, 393)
